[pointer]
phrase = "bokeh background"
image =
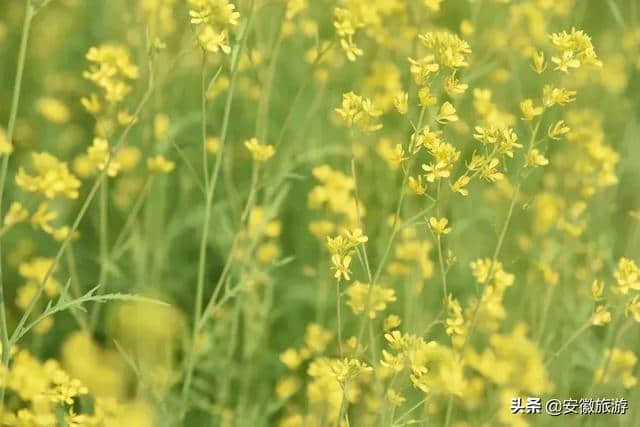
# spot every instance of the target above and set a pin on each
(261, 347)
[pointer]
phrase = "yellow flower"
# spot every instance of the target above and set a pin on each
(392, 321)
(633, 308)
(434, 5)
(91, 104)
(490, 172)
(538, 62)
(364, 297)
(287, 387)
(125, 118)
(447, 114)
(160, 164)
(350, 48)
(558, 130)
(291, 358)
(597, 290)
(52, 178)
(355, 237)
(535, 158)
(553, 95)
(42, 216)
(621, 365)
(566, 61)
(395, 398)
(359, 112)
(439, 225)
(347, 370)
(421, 69)
(99, 154)
(200, 16)
(259, 152)
(397, 156)
(601, 317)
(214, 41)
(213, 145)
(450, 50)
(455, 320)
(161, 126)
(417, 185)
(575, 49)
(401, 102)
(460, 184)
(627, 275)
(341, 265)
(453, 85)
(529, 111)
(17, 213)
(425, 98)
(316, 338)
(437, 171)
(53, 110)
(110, 68)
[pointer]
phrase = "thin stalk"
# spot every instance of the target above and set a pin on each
(443, 272)
(203, 100)
(15, 102)
(396, 218)
(339, 317)
(413, 408)
(211, 187)
(568, 342)
(252, 192)
(344, 404)
(545, 311)
(104, 246)
(503, 233)
(81, 318)
(119, 245)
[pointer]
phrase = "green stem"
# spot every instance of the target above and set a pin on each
(339, 317)
(211, 188)
(119, 246)
(568, 342)
(203, 99)
(503, 233)
(104, 247)
(15, 102)
(396, 218)
(443, 272)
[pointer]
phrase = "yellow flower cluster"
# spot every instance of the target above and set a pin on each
(34, 272)
(52, 178)
(369, 298)
(49, 395)
(213, 19)
(433, 368)
(359, 112)
(260, 152)
(110, 69)
(620, 365)
(512, 361)
(342, 248)
(335, 193)
(411, 254)
(627, 275)
(573, 49)
(160, 164)
(491, 310)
